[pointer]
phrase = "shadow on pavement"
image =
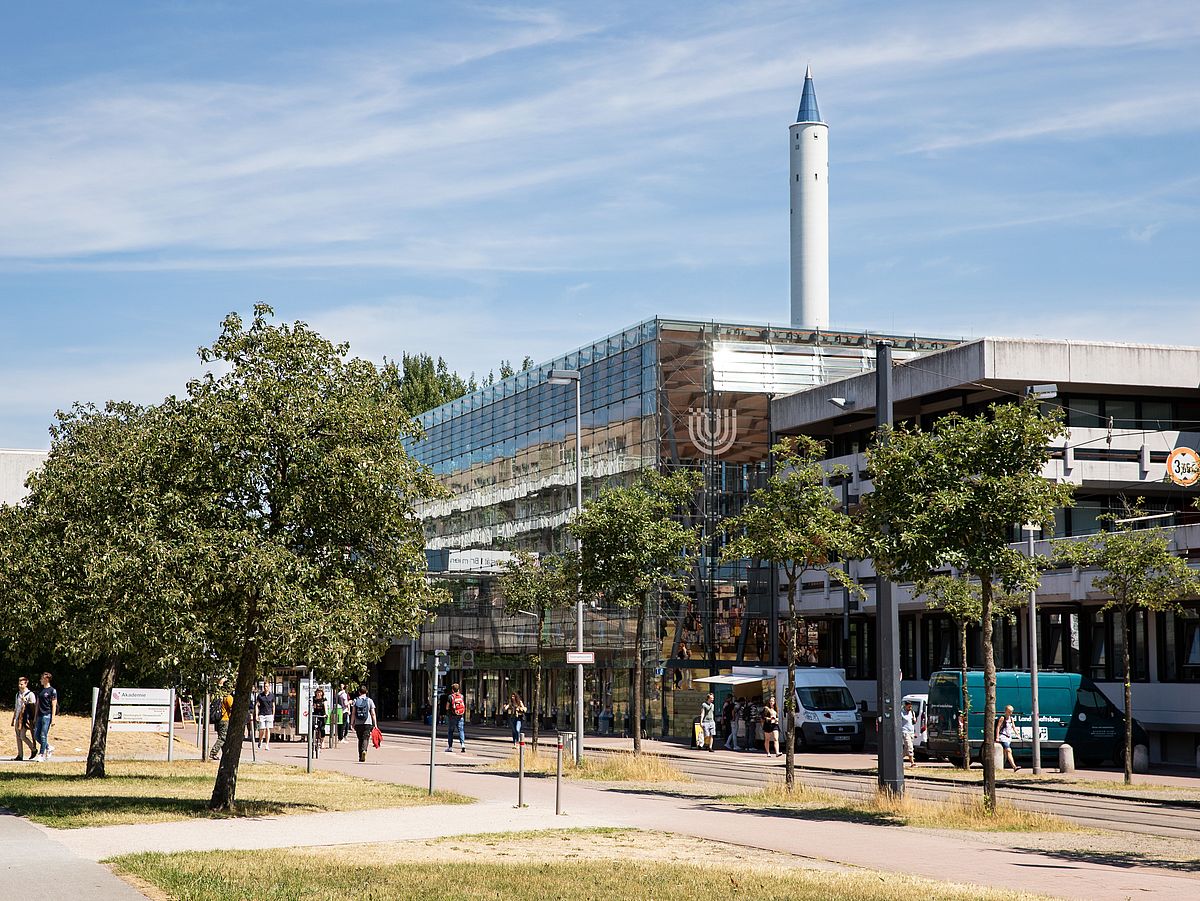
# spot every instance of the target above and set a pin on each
(1124, 859)
(815, 813)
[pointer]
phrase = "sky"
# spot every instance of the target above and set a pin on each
(485, 182)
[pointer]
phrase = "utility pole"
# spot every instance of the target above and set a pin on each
(887, 617)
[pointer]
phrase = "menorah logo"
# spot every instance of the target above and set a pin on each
(713, 432)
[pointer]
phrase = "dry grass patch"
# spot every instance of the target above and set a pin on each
(58, 795)
(587, 865)
(889, 810)
(614, 766)
(71, 735)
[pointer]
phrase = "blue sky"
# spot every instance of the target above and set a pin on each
(483, 181)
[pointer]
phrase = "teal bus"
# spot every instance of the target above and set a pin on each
(1071, 709)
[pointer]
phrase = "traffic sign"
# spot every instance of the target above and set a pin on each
(587, 658)
(1183, 466)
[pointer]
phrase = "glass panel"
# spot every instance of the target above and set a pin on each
(1122, 412)
(1157, 414)
(1083, 412)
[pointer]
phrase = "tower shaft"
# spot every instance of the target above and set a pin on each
(809, 172)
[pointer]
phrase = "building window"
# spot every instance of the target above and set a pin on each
(1179, 645)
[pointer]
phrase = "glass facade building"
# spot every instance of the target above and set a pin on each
(662, 394)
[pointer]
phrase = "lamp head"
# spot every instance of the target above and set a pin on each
(563, 376)
(842, 403)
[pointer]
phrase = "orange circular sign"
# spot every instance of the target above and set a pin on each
(1183, 466)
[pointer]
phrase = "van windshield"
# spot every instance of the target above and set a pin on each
(831, 698)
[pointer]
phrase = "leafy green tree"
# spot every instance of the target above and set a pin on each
(1139, 572)
(93, 555)
(962, 601)
(795, 522)
(293, 463)
(506, 369)
(634, 545)
(951, 497)
(532, 585)
(423, 383)
(527, 364)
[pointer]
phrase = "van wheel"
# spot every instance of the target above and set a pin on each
(857, 746)
(801, 741)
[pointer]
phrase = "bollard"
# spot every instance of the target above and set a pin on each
(1066, 758)
(558, 783)
(521, 774)
(1141, 759)
(1198, 758)
(998, 756)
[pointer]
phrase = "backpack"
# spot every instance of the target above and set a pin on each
(457, 704)
(362, 709)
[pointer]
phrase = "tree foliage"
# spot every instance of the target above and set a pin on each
(537, 586)
(93, 557)
(1139, 571)
(633, 546)
(952, 496)
(305, 498)
(795, 522)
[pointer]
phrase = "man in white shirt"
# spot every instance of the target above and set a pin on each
(24, 717)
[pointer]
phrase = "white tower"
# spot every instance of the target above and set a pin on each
(809, 139)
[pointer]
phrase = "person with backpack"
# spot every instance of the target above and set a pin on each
(456, 713)
(25, 719)
(362, 714)
(221, 721)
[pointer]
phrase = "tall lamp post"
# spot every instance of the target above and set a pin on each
(887, 616)
(567, 377)
(1035, 728)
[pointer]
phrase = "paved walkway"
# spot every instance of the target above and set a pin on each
(34, 866)
(937, 856)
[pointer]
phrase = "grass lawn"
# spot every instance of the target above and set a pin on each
(71, 734)
(969, 814)
(616, 766)
(56, 794)
(355, 875)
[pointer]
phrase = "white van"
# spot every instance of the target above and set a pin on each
(826, 714)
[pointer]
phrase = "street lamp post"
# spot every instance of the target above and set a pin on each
(566, 377)
(891, 760)
(1035, 731)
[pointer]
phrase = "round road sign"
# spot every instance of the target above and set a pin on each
(1183, 466)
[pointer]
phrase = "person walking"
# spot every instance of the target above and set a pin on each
(47, 710)
(1006, 731)
(362, 713)
(708, 721)
(25, 719)
(343, 712)
(222, 722)
(320, 712)
(735, 717)
(456, 713)
(516, 710)
(264, 709)
(908, 733)
(770, 724)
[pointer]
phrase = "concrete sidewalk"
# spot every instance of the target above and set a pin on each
(37, 867)
(976, 859)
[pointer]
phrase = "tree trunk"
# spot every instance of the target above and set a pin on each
(1128, 697)
(537, 683)
(964, 734)
(99, 740)
(989, 694)
(789, 764)
(225, 789)
(635, 713)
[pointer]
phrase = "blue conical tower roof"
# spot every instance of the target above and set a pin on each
(808, 101)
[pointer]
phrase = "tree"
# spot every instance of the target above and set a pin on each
(962, 601)
(1140, 572)
(305, 497)
(633, 545)
(794, 522)
(536, 586)
(951, 497)
(94, 553)
(506, 369)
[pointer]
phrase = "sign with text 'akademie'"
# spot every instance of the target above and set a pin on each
(140, 710)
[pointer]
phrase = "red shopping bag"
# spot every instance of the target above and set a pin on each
(376, 737)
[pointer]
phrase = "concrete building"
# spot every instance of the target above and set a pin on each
(15, 467)
(1127, 406)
